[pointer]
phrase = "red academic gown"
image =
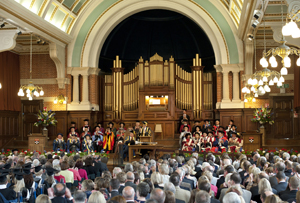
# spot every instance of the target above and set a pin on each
(187, 145)
(182, 126)
(238, 141)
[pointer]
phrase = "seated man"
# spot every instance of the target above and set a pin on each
(217, 125)
(129, 140)
(73, 144)
(206, 124)
(59, 143)
(235, 143)
(232, 130)
(87, 144)
(221, 143)
(97, 139)
(145, 130)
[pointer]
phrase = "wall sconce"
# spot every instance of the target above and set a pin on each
(60, 99)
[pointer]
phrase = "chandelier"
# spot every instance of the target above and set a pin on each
(291, 28)
(283, 50)
(30, 89)
(259, 83)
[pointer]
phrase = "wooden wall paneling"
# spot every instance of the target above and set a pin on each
(167, 133)
(9, 126)
(297, 125)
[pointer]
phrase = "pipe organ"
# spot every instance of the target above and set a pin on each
(158, 86)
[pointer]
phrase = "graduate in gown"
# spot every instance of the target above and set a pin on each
(122, 126)
(231, 123)
(73, 124)
(232, 130)
(187, 143)
(206, 124)
(73, 144)
(197, 130)
(182, 135)
(184, 123)
(87, 145)
(101, 129)
(216, 126)
(59, 143)
(108, 140)
(196, 124)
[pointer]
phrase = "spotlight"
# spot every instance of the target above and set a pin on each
(257, 14)
(19, 32)
(2, 25)
(250, 37)
(43, 43)
(38, 41)
(255, 23)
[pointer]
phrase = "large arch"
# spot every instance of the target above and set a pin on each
(84, 51)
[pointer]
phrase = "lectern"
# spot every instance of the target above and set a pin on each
(145, 138)
(37, 142)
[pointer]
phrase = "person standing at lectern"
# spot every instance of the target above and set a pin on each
(145, 130)
(129, 140)
(184, 116)
(59, 143)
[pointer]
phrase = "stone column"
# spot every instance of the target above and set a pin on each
(75, 88)
(236, 87)
(85, 89)
(225, 86)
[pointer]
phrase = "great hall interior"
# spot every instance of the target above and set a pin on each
(148, 60)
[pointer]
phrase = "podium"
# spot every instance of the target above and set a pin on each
(37, 142)
(145, 138)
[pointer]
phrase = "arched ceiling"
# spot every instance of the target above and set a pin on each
(64, 13)
(166, 32)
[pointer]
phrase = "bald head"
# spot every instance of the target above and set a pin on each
(130, 176)
(128, 193)
(158, 195)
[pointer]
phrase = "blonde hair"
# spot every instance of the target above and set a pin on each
(43, 199)
(263, 186)
(272, 199)
(238, 191)
(156, 178)
(208, 174)
(96, 197)
(19, 185)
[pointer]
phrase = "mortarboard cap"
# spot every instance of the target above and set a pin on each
(86, 127)
(209, 128)
(3, 177)
(197, 121)
(137, 121)
(221, 127)
(86, 120)
(60, 134)
(111, 123)
(19, 175)
(122, 123)
(209, 132)
(14, 150)
(185, 120)
(217, 120)
(233, 133)
(99, 123)
(72, 128)
(206, 120)
(145, 122)
(220, 131)
(232, 121)
(27, 171)
(17, 169)
(37, 168)
(4, 171)
(50, 171)
(73, 122)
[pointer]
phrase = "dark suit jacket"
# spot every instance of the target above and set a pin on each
(61, 200)
(288, 172)
(103, 167)
(288, 195)
(214, 200)
(220, 181)
(179, 201)
(121, 189)
(273, 181)
(8, 193)
(114, 193)
(131, 184)
(90, 170)
(281, 186)
(97, 166)
(191, 182)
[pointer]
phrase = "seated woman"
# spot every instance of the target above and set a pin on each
(197, 142)
(87, 144)
(205, 142)
(182, 135)
(187, 143)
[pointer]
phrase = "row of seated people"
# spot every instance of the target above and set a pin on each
(208, 140)
(178, 179)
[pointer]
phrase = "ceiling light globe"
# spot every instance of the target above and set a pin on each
(30, 98)
(252, 89)
(244, 90)
(255, 95)
(248, 91)
(260, 82)
(292, 27)
(27, 91)
(272, 59)
(274, 64)
(281, 79)
(250, 80)
(279, 84)
(254, 81)
(253, 100)
(263, 62)
(283, 71)
(285, 30)
(265, 79)
(298, 61)
(275, 79)
(271, 82)
(41, 92)
(287, 61)
(245, 100)
(296, 33)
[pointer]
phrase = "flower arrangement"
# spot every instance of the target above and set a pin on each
(262, 115)
(45, 118)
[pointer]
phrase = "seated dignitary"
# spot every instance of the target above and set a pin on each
(73, 143)
(59, 143)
